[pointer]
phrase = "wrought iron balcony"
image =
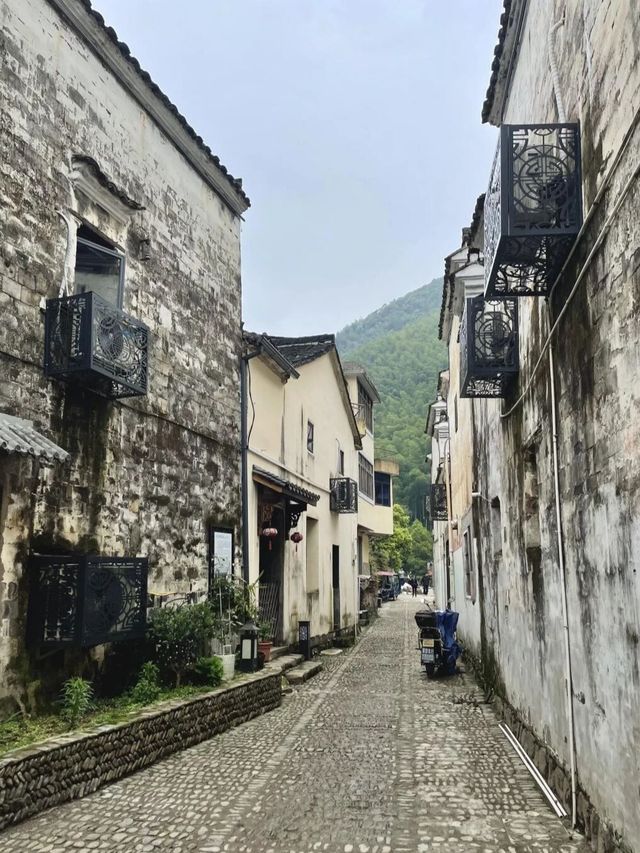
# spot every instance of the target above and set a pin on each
(532, 209)
(488, 347)
(439, 502)
(89, 341)
(85, 601)
(344, 495)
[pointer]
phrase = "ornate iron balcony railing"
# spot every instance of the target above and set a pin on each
(532, 209)
(439, 502)
(488, 347)
(344, 495)
(85, 601)
(94, 343)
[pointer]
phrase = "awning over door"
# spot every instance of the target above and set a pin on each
(284, 487)
(19, 436)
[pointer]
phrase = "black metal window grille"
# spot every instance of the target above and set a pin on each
(86, 601)
(439, 502)
(94, 343)
(365, 407)
(99, 267)
(533, 208)
(310, 432)
(383, 489)
(488, 346)
(343, 495)
(365, 476)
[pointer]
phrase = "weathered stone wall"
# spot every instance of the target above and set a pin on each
(69, 767)
(145, 475)
(597, 356)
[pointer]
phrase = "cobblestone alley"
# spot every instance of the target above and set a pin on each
(369, 756)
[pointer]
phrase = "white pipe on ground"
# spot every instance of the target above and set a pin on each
(556, 805)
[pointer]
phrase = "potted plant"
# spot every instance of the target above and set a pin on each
(265, 633)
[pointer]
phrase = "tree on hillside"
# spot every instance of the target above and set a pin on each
(408, 550)
(421, 549)
(404, 365)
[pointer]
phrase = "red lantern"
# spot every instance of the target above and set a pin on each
(270, 533)
(296, 537)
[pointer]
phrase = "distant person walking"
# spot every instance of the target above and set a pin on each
(425, 584)
(414, 587)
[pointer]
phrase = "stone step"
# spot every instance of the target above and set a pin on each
(279, 651)
(331, 653)
(285, 662)
(302, 673)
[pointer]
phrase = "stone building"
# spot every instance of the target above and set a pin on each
(558, 543)
(120, 241)
(313, 475)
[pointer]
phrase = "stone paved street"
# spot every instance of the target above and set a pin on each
(368, 756)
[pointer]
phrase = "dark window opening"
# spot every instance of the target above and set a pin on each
(531, 509)
(469, 579)
(365, 406)
(496, 527)
(365, 476)
(99, 267)
(310, 436)
(341, 461)
(383, 489)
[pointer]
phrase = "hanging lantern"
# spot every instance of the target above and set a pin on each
(296, 537)
(269, 533)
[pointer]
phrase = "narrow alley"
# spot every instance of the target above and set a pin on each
(368, 756)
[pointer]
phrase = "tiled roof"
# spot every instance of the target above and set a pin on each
(476, 219)
(495, 65)
(19, 436)
(447, 292)
(303, 350)
(286, 487)
(157, 91)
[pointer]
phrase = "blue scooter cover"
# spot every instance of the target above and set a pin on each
(447, 621)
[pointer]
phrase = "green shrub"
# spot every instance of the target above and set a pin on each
(208, 671)
(179, 635)
(147, 687)
(76, 701)
(265, 631)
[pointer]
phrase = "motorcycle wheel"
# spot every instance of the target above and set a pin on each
(430, 669)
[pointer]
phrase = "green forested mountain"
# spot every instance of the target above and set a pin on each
(392, 317)
(399, 347)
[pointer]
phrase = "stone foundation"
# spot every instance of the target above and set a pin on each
(69, 767)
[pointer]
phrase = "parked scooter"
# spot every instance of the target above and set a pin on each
(439, 649)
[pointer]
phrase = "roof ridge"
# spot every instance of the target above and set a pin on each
(304, 339)
(146, 77)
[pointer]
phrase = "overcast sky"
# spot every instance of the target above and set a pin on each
(354, 124)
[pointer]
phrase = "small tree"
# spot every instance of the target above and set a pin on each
(179, 636)
(76, 700)
(392, 553)
(421, 549)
